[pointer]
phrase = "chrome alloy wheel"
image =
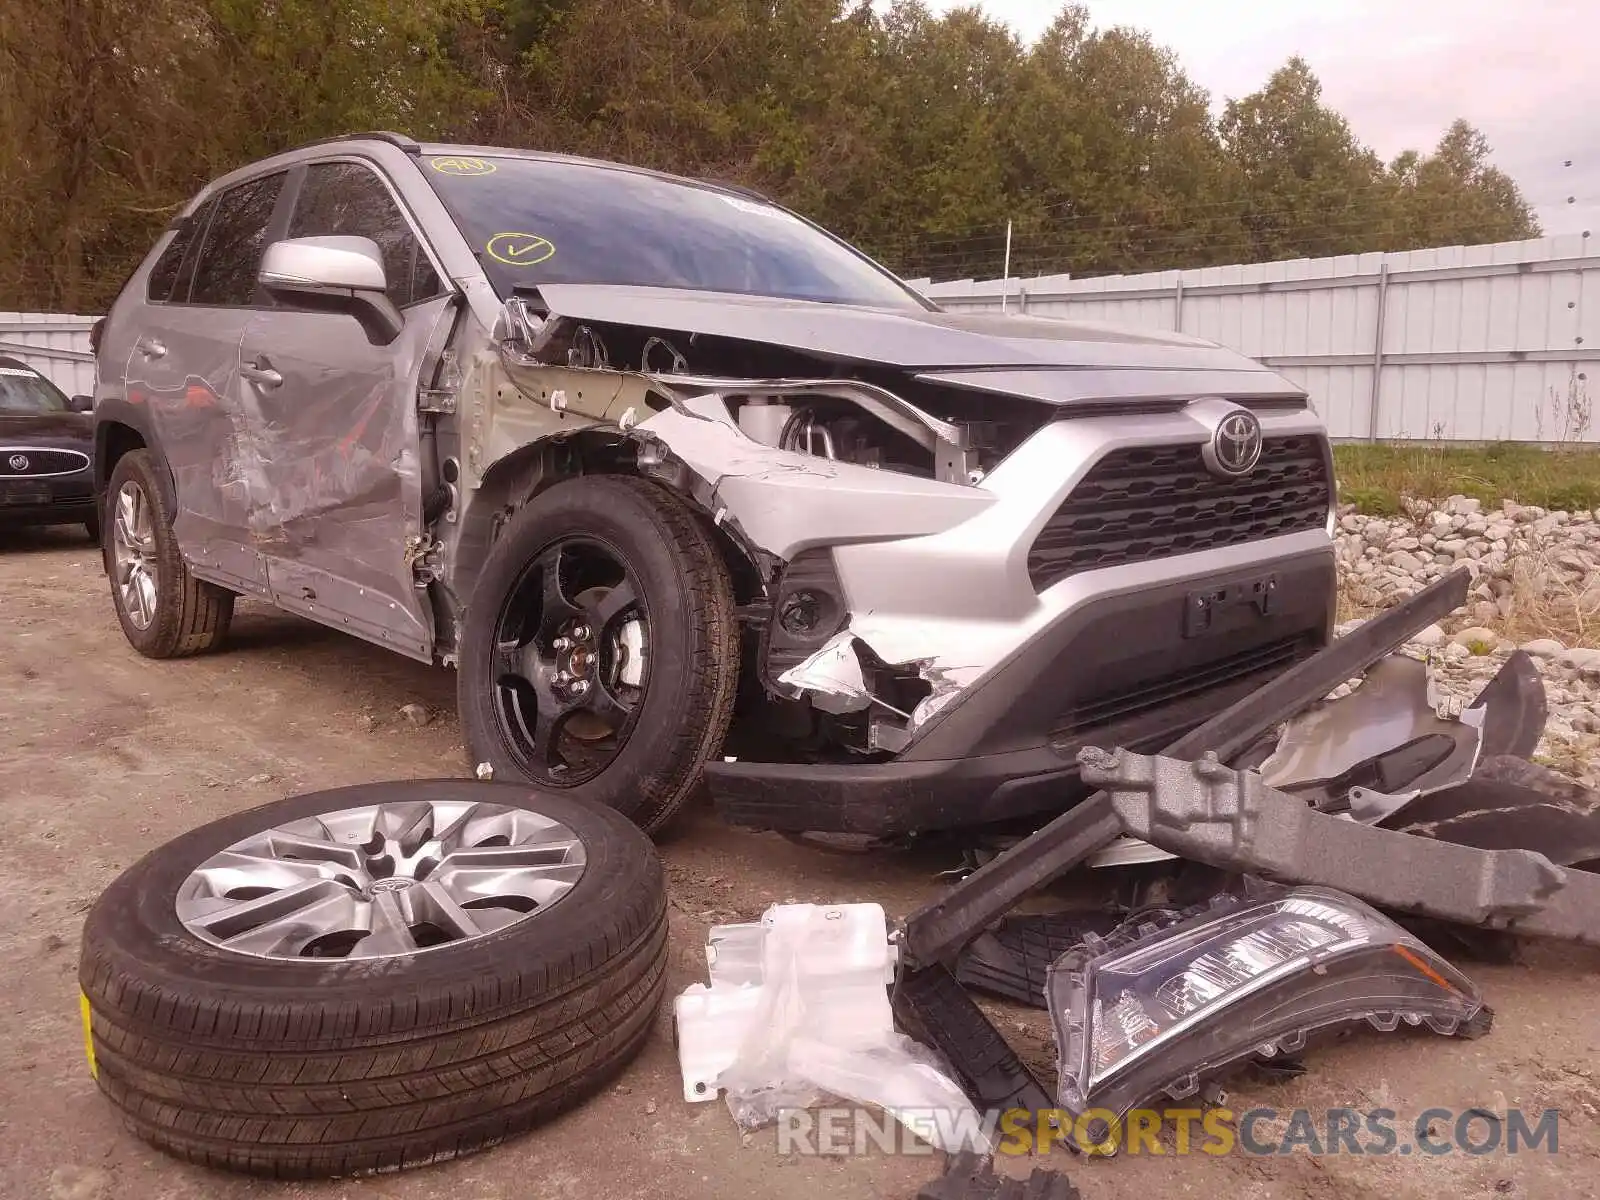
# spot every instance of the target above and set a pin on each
(381, 881)
(133, 555)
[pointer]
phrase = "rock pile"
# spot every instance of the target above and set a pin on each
(1536, 585)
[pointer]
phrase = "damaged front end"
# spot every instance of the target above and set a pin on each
(949, 581)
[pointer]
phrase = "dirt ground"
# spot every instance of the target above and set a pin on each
(106, 755)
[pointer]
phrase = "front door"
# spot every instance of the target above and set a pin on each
(341, 502)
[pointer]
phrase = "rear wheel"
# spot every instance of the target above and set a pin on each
(164, 611)
(600, 654)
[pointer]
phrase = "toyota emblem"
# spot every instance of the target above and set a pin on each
(1235, 446)
(18, 462)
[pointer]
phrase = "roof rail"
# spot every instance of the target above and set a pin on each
(409, 145)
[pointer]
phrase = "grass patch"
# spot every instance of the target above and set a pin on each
(1378, 478)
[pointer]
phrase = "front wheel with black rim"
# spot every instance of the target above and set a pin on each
(374, 977)
(164, 611)
(600, 654)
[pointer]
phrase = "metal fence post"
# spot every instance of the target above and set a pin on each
(1377, 354)
(1177, 306)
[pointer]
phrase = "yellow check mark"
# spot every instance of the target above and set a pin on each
(519, 249)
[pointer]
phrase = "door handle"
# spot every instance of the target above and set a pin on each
(151, 348)
(261, 372)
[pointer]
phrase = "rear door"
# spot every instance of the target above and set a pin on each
(183, 363)
(343, 473)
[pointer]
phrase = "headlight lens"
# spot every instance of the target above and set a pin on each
(1156, 1010)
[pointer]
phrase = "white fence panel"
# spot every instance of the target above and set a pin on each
(55, 346)
(1466, 343)
(1461, 343)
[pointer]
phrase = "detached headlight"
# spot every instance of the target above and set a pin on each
(1153, 1011)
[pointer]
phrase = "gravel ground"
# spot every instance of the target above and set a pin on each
(108, 755)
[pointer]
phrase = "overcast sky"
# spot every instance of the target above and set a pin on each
(1523, 73)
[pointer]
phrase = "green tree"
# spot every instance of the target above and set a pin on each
(1306, 186)
(1455, 197)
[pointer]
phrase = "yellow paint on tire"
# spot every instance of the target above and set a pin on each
(88, 1036)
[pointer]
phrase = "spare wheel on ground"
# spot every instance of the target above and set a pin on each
(373, 977)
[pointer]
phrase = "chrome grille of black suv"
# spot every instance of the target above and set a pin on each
(28, 461)
(1152, 502)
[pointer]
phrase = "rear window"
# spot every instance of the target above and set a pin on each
(23, 391)
(534, 221)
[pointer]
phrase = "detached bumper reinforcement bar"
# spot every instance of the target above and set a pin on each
(939, 931)
(1230, 819)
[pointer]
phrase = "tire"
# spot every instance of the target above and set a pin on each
(687, 598)
(191, 616)
(319, 1067)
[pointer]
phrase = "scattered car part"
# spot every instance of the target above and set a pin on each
(1516, 708)
(970, 1176)
(797, 1009)
(1511, 804)
(1213, 814)
(934, 1007)
(373, 977)
(938, 931)
(600, 655)
(1013, 959)
(1160, 1008)
(1387, 730)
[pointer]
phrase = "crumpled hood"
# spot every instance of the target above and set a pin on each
(905, 338)
(69, 431)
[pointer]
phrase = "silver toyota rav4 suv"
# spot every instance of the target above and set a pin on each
(691, 493)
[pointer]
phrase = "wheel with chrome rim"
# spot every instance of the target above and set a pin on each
(374, 977)
(600, 654)
(133, 554)
(164, 611)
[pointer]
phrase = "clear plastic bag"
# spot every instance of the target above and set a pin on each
(800, 1011)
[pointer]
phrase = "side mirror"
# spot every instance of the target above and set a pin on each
(337, 275)
(81, 404)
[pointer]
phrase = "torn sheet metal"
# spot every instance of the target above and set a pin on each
(1232, 820)
(786, 502)
(833, 677)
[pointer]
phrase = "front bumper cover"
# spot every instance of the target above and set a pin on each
(1120, 669)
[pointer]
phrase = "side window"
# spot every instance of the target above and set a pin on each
(348, 200)
(231, 255)
(165, 271)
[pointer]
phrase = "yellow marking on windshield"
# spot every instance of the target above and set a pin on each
(456, 165)
(520, 249)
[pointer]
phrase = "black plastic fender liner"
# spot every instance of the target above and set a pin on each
(931, 1003)
(970, 1177)
(1517, 708)
(1511, 804)
(938, 931)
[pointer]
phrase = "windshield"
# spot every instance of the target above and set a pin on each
(532, 221)
(24, 390)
